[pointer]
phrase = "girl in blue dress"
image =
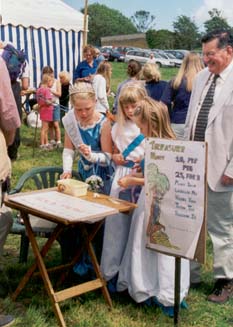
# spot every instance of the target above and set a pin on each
(88, 132)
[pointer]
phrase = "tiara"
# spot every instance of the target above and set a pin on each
(81, 87)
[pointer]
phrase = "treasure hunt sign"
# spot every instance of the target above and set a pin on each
(175, 186)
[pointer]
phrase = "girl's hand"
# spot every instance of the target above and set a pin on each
(65, 175)
(125, 181)
(119, 159)
(85, 149)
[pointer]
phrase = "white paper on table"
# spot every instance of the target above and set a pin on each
(64, 206)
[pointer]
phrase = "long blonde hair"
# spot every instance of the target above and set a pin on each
(105, 69)
(131, 93)
(155, 115)
(190, 66)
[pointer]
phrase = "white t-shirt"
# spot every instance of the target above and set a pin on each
(99, 85)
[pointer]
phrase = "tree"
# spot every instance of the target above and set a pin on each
(216, 21)
(143, 20)
(103, 21)
(161, 39)
(186, 33)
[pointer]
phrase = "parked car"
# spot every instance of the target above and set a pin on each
(105, 52)
(177, 62)
(123, 50)
(143, 55)
(179, 54)
(115, 55)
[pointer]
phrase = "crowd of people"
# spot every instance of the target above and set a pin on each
(144, 106)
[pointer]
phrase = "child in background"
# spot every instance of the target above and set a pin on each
(178, 91)
(124, 133)
(65, 79)
(44, 99)
(101, 85)
(54, 128)
(148, 275)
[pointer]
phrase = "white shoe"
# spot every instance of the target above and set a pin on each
(6, 321)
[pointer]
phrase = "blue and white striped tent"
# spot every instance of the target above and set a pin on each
(50, 32)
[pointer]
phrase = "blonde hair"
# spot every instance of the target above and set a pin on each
(66, 75)
(81, 90)
(150, 72)
(46, 78)
(105, 69)
(155, 115)
(130, 93)
(190, 66)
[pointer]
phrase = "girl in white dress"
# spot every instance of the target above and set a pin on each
(149, 275)
(124, 133)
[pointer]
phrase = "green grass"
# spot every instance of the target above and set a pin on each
(33, 307)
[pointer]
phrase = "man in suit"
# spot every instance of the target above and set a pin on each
(217, 47)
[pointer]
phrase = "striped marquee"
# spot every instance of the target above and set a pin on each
(60, 49)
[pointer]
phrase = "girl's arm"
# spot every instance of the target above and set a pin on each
(106, 146)
(57, 92)
(131, 180)
(117, 157)
(67, 157)
(106, 138)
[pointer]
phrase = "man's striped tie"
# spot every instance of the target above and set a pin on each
(202, 118)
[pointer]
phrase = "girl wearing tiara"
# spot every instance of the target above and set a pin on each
(128, 148)
(87, 131)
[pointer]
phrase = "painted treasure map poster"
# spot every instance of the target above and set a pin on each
(175, 185)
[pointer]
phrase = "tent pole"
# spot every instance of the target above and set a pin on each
(85, 24)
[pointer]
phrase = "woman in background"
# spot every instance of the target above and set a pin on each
(154, 86)
(86, 68)
(178, 91)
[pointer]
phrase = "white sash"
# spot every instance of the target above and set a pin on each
(71, 127)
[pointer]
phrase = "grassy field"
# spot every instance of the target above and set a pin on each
(33, 307)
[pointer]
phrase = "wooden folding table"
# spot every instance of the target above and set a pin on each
(87, 212)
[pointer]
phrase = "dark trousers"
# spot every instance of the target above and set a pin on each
(13, 148)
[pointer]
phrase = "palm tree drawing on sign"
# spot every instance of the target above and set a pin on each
(158, 185)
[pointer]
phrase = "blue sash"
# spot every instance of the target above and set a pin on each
(130, 148)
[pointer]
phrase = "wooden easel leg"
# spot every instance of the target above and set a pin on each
(177, 290)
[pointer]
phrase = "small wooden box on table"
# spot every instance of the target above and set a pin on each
(86, 211)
